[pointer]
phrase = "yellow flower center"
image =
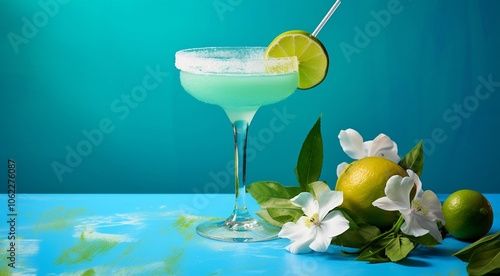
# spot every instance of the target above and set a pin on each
(312, 220)
(417, 205)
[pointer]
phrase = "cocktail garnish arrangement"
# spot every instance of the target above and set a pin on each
(240, 80)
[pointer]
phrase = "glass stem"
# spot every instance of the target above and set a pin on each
(240, 130)
(240, 215)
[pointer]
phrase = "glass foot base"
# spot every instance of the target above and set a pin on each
(229, 231)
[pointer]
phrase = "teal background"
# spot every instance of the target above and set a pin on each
(405, 76)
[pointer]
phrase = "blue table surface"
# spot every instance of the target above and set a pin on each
(100, 234)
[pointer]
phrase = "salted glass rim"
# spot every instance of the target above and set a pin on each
(233, 61)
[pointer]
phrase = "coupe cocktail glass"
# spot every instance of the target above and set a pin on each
(239, 80)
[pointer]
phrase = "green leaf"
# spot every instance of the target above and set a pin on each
(265, 216)
(466, 253)
(284, 215)
(483, 255)
(272, 194)
(375, 253)
(310, 161)
(398, 248)
(414, 160)
(485, 259)
(358, 234)
(293, 191)
(425, 240)
(317, 187)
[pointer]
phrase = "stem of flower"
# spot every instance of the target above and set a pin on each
(395, 228)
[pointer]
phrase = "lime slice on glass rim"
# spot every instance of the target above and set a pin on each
(310, 52)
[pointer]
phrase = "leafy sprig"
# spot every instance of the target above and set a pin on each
(414, 160)
(310, 161)
(482, 256)
(374, 246)
(391, 246)
(274, 198)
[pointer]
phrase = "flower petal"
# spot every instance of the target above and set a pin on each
(299, 247)
(397, 192)
(367, 145)
(352, 143)
(328, 200)
(321, 242)
(334, 224)
(407, 184)
(302, 245)
(385, 203)
(417, 182)
(431, 226)
(383, 146)
(307, 202)
(340, 168)
(411, 226)
(294, 231)
(432, 202)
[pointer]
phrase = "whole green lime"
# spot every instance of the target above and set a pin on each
(468, 215)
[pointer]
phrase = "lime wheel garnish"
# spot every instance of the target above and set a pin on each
(310, 52)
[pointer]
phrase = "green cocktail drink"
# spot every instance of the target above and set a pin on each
(239, 80)
(240, 95)
(240, 83)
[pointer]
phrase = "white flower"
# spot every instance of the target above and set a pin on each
(421, 214)
(315, 230)
(353, 145)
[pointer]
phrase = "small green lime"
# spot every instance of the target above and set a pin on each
(468, 215)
